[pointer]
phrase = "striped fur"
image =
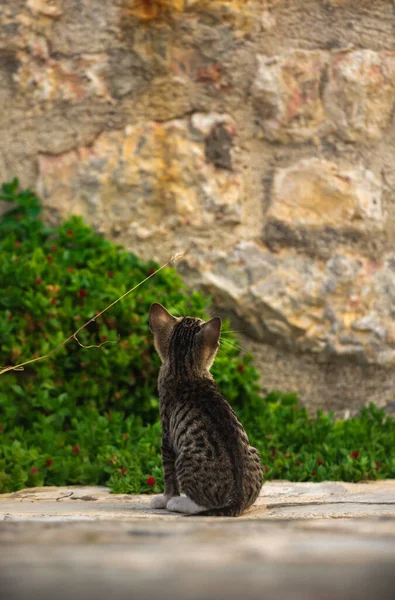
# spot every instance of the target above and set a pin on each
(205, 449)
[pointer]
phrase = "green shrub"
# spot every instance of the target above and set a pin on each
(90, 416)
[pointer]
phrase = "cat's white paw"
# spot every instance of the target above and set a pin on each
(159, 502)
(183, 504)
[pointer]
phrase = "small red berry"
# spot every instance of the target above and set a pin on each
(49, 258)
(76, 449)
(151, 481)
(152, 270)
(49, 462)
(354, 454)
(298, 463)
(104, 338)
(1, 428)
(110, 274)
(241, 368)
(320, 462)
(17, 243)
(313, 473)
(34, 470)
(70, 233)
(54, 248)
(378, 465)
(10, 318)
(82, 293)
(53, 301)
(266, 469)
(124, 470)
(70, 269)
(38, 281)
(125, 436)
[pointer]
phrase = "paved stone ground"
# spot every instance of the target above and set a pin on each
(302, 541)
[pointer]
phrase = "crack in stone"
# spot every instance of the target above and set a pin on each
(84, 498)
(293, 504)
(65, 496)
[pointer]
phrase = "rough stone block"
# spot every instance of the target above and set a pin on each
(50, 80)
(146, 180)
(48, 8)
(340, 307)
(316, 201)
(306, 94)
(146, 10)
(287, 95)
(360, 94)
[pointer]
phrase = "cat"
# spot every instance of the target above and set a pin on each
(205, 449)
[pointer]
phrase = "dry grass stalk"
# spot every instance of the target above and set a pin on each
(74, 335)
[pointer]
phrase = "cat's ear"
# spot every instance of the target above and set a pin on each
(210, 333)
(160, 320)
(161, 323)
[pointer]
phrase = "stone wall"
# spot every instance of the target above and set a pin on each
(257, 135)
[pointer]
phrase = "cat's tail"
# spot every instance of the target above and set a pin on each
(221, 511)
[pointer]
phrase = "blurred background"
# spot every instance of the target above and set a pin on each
(256, 135)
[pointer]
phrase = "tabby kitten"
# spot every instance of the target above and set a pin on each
(205, 449)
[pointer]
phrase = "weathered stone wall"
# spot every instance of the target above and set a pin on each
(258, 135)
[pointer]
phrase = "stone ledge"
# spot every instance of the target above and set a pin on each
(277, 500)
(300, 541)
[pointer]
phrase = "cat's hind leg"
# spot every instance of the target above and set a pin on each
(183, 504)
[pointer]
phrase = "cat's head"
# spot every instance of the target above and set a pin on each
(184, 342)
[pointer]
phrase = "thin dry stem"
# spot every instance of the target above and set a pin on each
(97, 345)
(74, 335)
